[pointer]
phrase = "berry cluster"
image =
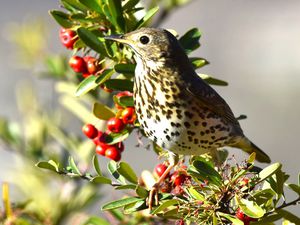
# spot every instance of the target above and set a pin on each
(124, 117)
(102, 147)
(173, 181)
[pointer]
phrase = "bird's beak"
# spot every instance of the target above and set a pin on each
(117, 38)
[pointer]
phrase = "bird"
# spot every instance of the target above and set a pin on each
(177, 109)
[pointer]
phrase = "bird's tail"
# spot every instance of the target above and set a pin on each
(246, 145)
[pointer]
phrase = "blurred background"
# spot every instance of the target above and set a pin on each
(254, 45)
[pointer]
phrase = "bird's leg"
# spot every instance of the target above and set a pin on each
(173, 160)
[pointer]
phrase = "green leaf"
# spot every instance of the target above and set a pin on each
(165, 205)
(102, 111)
(96, 221)
(112, 168)
(120, 203)
(141, 192)
(267, 220)
(213, 81)
(92, 4)
(295, 188)
(73, 166)
(130, 4)
(86, 85)
(125, 68)
(119, 84)
(91, 40)
(289, 216)
(126, 171)
(96, 165)
(204, 171)
(126, 187)
(125, 101)
(147, 17)
(250, 208)
(75, 5)
(234, 220)
(268, 171)
(114, 138)
(140, 205)
(114, 7)
(50, 165)
(105, 76)
(101, 180)
(190, 40)
(61, 18)
(195, 194)
(198, 62)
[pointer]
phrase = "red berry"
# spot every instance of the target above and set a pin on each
(178, 180)
(90, 131)
(100, 139)
(128, 115)
(77, 64)
(246, 219)
(120, 146)
(67, 37)
(115, 125)
(244, 181)
(160, 169)
(101, 149)
(113, 153)
(92, 65)
(121, 94)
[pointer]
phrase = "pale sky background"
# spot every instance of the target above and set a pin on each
(252, 44)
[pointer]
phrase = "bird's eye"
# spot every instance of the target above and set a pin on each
(144, 40)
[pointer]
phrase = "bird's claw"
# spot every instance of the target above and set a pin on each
(153, 193)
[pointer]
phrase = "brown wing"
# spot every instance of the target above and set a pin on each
(209, 98)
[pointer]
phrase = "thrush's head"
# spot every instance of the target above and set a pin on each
(151, 44)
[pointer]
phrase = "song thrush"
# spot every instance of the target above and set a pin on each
(177, 109)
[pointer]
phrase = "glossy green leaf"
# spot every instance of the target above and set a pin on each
(86, 85)
(104, 76)
(165, 205)
(264, 196)
(119, 84)
(50, 165)
(198, 62)
(112, 168)
(268, 171)
(73, 166)
(250, 208)
(267, 220)
(95, 5)
(91, 40)
(114, 138)
(231, 218)
(101, 180)
(96, 221)
(204, 171)
(125, 68)
(61, 18)
(295, 188)
(102, 111)
(96, 165)
(116, 13)
(212, 81)
(126, 171)
(120, 203)
(147, 17)
(190, 40)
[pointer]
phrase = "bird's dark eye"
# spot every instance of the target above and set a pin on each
(144, 40)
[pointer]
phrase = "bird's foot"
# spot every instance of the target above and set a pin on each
(153, 194)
